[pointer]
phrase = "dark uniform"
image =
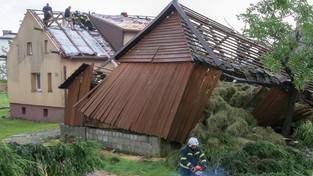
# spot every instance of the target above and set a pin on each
(190, 158)
(67, 13)
(47, 13)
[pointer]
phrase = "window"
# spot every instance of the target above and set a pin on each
(45, 112)
(49, 82)
(23, 110)
(29, 49)
(35, 82)
(46, 47)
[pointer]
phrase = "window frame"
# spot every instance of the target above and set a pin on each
(29, 49)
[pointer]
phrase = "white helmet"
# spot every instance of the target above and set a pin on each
(193, 141)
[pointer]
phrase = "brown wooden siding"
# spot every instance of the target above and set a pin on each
(140, 97)
(77, 89)
(272, 107)
(199, 89)
(166, 43)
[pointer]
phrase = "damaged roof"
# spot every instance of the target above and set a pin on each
(133, 22)
(218, 46)
(75, 40)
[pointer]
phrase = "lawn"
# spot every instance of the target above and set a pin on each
(9, 127)
(143, 167)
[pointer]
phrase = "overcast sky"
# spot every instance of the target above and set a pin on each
(223, 11)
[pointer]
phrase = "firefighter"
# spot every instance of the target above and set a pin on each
(192, 159)
(67, 21)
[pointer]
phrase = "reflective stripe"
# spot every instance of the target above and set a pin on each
(197, 153)
(203, 161)
(183, 158)
(202, 155)
(189, 154)
(188, 164)
(183, 166)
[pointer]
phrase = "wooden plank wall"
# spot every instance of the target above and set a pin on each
(272, 107)
(200, 87)
(166, 43)
(77, 89)
(140, 97)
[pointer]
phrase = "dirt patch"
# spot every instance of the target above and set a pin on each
(100, 173)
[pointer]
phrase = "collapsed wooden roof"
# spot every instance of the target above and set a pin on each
(218, 46)
(147, 92)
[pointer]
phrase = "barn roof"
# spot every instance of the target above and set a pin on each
(216, 45)
(74, 41)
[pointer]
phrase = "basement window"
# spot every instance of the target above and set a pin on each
(29, 49)
(23, 110)
(45, 112)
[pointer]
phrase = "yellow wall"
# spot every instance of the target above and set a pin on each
(20, 67)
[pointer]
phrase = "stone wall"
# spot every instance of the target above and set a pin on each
(121, 141)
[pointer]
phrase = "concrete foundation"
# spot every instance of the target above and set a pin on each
(125, 142)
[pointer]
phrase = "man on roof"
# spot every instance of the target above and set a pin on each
(47, 13)
(192, 159)
(68, 16)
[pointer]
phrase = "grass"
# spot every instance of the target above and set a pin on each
(143, 167)
(9, 127)
(4, 102)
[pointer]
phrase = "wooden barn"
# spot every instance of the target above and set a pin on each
(167, 73)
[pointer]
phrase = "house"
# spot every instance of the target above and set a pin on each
(42, 57)
(167, 73)
(5, 40)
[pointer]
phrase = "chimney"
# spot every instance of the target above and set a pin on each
(124, 14)
(6, 32)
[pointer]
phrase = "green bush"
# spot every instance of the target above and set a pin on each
(264, 157)
(73, 159)
(304, 134)
(10, 163)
